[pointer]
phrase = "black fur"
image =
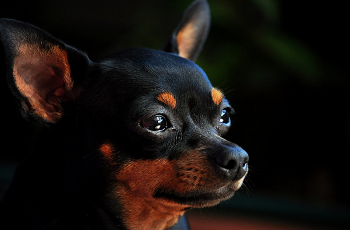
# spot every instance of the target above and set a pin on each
(65, 182)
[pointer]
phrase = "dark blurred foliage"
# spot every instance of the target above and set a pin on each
(282, 65)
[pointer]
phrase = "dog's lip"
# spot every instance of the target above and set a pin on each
(197, 198)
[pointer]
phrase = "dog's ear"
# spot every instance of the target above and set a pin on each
(40, 70)
(188, 38)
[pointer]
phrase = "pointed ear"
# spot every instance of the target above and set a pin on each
(188, 38)
(39, 69)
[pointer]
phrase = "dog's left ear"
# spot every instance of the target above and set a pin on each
(188, 38)
(43, 72)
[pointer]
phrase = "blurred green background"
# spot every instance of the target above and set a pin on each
(283, 65)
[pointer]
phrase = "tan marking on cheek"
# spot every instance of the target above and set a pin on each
(144, 176)
(217, 96)
(168, 99)
(138, 181)
(189, 173)
(107, 151)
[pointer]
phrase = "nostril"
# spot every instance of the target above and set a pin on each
(234, 159)
(230, 165)
(225, 162)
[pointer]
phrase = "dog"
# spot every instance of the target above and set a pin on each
(129, 141)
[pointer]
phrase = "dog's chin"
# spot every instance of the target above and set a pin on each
(199, 198)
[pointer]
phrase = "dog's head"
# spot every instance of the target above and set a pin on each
(153, 117)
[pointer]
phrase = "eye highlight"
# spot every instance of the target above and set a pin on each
(225, 117)
(155, 123)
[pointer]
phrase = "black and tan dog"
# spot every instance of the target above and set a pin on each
(131, 141)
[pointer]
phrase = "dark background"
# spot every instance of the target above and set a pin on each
(283, 64)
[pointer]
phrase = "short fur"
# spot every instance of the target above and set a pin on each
(130, 141)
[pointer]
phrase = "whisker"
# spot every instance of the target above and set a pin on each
(253, 170)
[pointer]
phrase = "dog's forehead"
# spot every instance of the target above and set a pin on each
(155, 70)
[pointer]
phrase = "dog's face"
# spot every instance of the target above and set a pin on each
(163, 130)
(151, 118)
(169, 121)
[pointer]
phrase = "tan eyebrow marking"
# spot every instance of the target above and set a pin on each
(217, 96)
(168, 99)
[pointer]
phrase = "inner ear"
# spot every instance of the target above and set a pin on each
(190, 35)
(42, 76)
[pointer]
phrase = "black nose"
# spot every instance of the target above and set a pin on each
(232, 160)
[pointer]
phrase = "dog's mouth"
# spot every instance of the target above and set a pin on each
(197, 199)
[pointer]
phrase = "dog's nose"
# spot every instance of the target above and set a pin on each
(233, 160)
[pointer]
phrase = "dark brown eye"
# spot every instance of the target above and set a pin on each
(225, 117)
(155, 123)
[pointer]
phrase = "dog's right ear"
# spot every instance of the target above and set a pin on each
(190, 35)
(43, 72)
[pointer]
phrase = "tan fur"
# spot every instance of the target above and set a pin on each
(168, 99)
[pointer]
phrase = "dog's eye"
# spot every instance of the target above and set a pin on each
(155, 123)
(225, 117)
